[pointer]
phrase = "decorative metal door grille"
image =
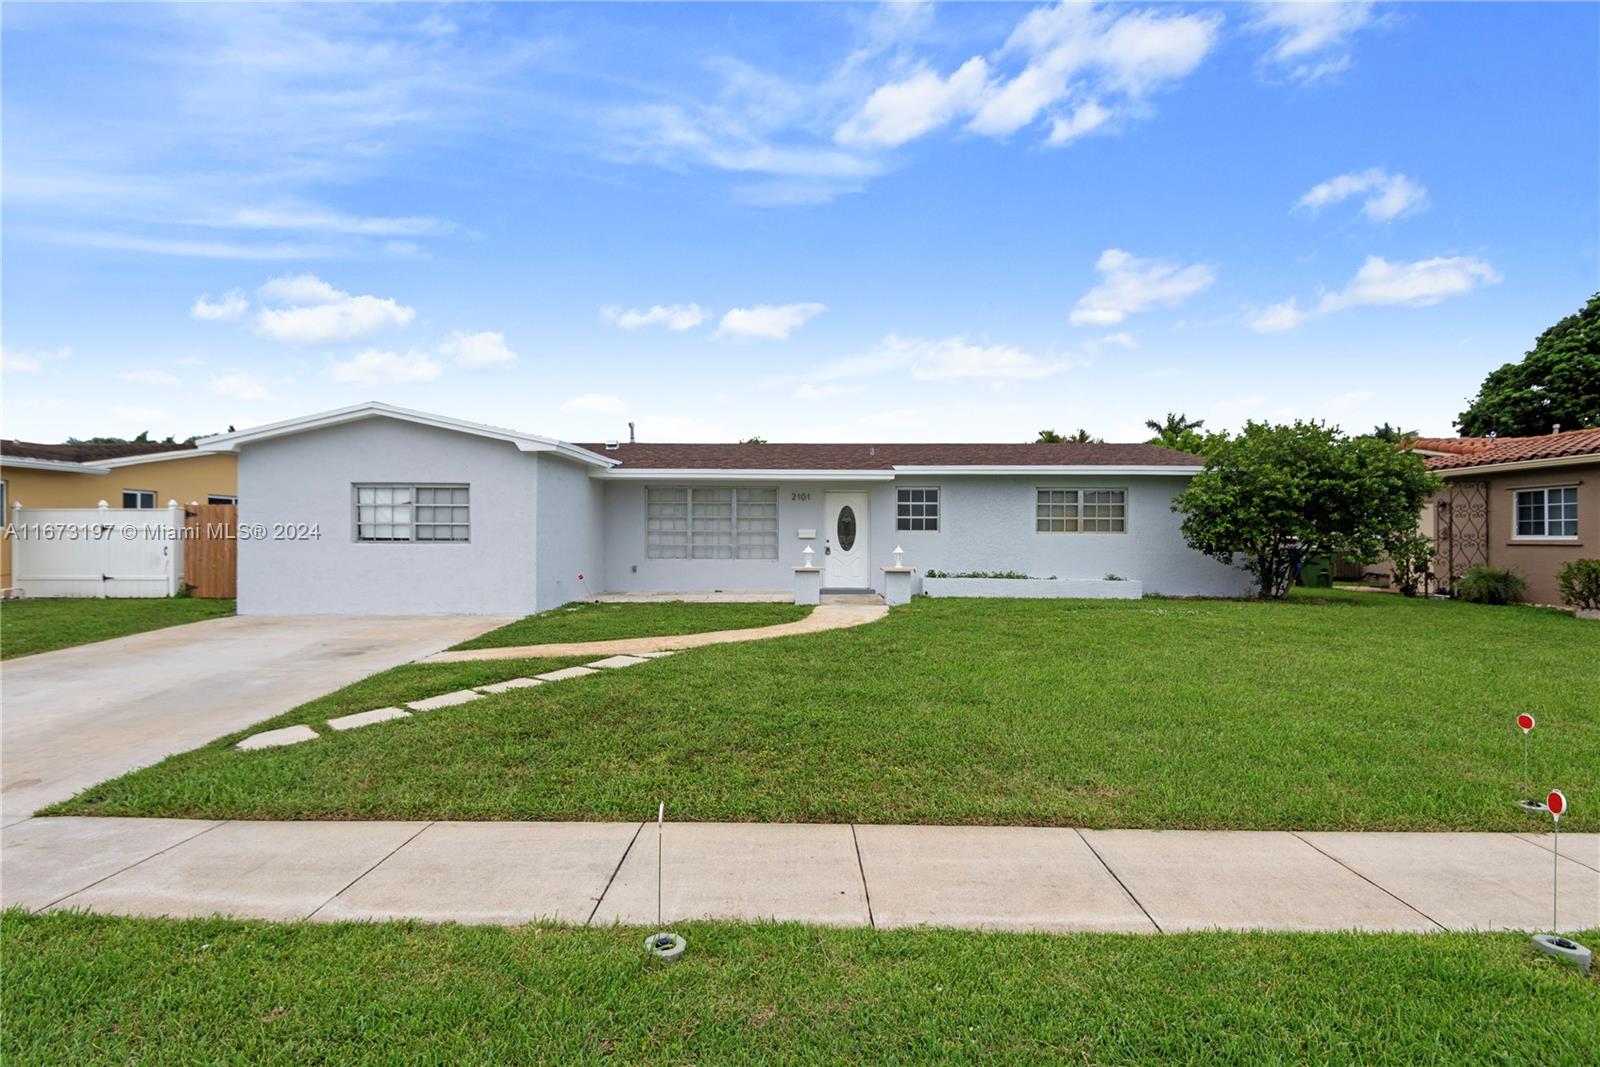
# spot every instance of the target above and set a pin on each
(1464, 528)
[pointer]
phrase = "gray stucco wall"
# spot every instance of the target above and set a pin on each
(987, 523)
(307, 478)
(570, 538)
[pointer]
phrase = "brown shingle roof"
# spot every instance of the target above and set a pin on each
(869, 457)
(1524, 449)
(85, 453)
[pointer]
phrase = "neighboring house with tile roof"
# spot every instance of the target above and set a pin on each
(143, 474)
(1531, 504)
(410, 512)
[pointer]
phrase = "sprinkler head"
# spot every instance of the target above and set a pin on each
(664, 946)
(1564, 949)
(1535, 806)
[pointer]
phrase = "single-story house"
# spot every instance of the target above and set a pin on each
(127, 474)
(1530, 504)
(380, 509)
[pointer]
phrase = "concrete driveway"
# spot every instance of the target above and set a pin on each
(77, 716)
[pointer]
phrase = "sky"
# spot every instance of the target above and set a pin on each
(834, 222)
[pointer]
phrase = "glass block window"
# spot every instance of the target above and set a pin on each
(916, 509)
(1081, 511)
(666, 523)
(413, 513)
(1547, 512)
(756, 523)
(708, 522)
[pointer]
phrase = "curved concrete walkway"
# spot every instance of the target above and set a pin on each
(989, 877)
(822, 617)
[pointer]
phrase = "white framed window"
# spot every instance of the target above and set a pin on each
(428, 513)
(1546, 513)
(138, 498)
(917, 508)
(1059, 510)
(218, 498)
(711, 522)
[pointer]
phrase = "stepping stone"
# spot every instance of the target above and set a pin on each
(656, 655)
(367, 718)
(564, 673)
(614, 662)
(289, 735)
(444, 700)
(515, 683)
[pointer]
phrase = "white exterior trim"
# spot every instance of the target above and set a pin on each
(148, 457)
(525, 442)
(67, 466)
(1519, 465)
(695, 474)
(1043, 471)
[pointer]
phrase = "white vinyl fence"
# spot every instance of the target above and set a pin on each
(96, 552)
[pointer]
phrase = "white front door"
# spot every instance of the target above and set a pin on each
(846, 552)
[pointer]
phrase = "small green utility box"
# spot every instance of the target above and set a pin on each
(1317, 572)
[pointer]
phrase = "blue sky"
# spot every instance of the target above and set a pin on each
(807, 222)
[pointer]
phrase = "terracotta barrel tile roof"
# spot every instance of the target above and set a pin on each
(86, 453)
(1524, 449)
(1456, 445)
(866, 457)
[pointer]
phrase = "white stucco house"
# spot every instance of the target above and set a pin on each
(384, 510)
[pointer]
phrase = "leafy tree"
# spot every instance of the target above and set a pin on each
(1275, 494)
(1083, 437)
(754, 441)
(1176, 430)
(1558, 381)
(1048, 437)
(1394, 434)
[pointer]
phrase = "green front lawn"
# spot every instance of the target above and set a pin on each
(29, 626)
(83, 990)
(1352, 711)
(608, 622)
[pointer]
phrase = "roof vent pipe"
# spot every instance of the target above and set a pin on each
(630, 433)
(612, 446)
(1555, 428)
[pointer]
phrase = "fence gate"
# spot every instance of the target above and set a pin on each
(96, 552)
(1463, 528)
(210, 556)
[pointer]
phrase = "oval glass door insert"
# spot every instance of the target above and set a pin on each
(847, 528)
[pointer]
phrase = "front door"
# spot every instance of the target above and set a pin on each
(845, 542)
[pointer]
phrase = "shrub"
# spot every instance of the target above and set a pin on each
(1490, 585)
(1579, 582)
(1409, 553)
(976, 574)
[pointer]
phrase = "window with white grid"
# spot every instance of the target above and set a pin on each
(708, 522)
(413, 513)
(1081, 511)
(1547, 513)
(916, 509)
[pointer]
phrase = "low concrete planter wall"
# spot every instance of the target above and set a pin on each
(1035, 588)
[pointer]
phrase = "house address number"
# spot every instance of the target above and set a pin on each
(799, 496)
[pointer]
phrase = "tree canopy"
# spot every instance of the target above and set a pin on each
(1556, 383)
(1275, 494)
(1081, 437)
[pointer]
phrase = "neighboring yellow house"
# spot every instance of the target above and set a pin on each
(134, 475)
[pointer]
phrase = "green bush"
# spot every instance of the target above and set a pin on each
(1490, 585)
(1410, 553)
(1016, 575)
(1579, 582)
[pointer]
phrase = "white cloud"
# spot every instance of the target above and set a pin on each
(1085, 118)
(139, 414)
(373, 366)
(1416, 284)
(957, 359)
(1385, 196)
(1380, 283)
(240, 385)
(318, 313)
(232, 305)
(596, 404)
(149, 377)
(904, 110)
(1129, 285)
(323, 221)
(484, 349)
(31, 362)
(1121, 338)
(676, 317)
(1279, 317)
(1313, 39)
(771, 321)
(822, 392)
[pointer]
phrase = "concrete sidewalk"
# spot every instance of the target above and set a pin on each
(1002, 878)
